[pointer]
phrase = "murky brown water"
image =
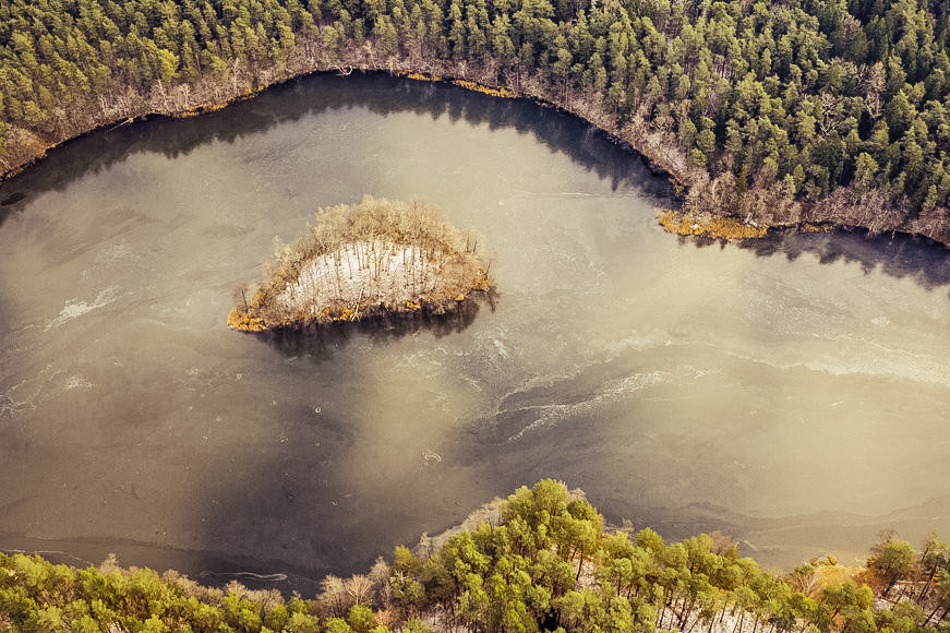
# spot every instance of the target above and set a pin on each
(793, 393)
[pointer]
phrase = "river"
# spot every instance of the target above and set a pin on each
(792, 392)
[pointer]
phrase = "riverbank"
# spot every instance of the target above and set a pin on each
(820, 134)
(719, 208)
(571, 572)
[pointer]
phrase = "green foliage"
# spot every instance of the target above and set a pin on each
(528, 574)
(361, 619)
(891, 559)
(547, 565)
(302, 623)
(408, 592)
(36, 595)
(812, 89)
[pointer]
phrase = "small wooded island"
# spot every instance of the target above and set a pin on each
(373, 258)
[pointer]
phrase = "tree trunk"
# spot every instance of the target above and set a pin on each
(926, 588)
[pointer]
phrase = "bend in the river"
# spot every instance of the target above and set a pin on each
(756, 389)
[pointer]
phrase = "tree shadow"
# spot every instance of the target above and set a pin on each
(898, 255)
(319, 342)
(317, 93)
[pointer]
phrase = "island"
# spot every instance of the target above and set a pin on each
(376, 257)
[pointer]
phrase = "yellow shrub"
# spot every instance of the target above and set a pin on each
(495, 92)
(418, 76)
(485, 283)
(240, 320)
(719, 228)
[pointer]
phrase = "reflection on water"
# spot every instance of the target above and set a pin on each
(918, 258)
(791, 392)
(377, 93)
(319, 342)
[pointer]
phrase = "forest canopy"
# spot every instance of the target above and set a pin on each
(540, 560)
(775, 112)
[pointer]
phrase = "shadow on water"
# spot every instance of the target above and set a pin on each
(899, 255)
(266, 499)
(8, 204)
(320, 342)
(378, 92)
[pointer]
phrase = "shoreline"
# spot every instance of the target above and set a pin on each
(745, 214)
(722, 216)
(845, 536)
(729, 229)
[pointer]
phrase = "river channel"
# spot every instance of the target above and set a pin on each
(793, 393)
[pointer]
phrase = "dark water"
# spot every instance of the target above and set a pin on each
(793, 393)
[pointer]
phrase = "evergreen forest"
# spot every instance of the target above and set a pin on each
(769, 112)
(541, 560)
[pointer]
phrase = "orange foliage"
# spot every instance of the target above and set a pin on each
(719, 228)
(240, 320)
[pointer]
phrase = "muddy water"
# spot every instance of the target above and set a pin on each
(793, 393)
